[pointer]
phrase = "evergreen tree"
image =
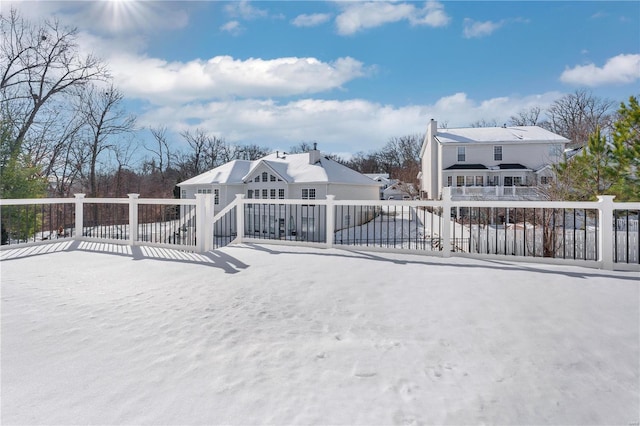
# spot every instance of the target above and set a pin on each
(19, 178)
(626, 151)
(605, 167)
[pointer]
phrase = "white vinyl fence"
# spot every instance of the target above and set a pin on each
(600, 234)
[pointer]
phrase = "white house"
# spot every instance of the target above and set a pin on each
(279, 176)
(488, 162)
(383, 181)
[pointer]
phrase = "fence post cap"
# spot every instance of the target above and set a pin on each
(239, 196)
(133, 195)
(79, 195)
(331, 197)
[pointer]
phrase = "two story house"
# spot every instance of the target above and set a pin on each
(488, 162)
(279, 176)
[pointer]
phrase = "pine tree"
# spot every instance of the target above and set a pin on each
(605, 167)
(19, 178)
(626, 151)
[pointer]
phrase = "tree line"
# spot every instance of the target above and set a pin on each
(64, 129)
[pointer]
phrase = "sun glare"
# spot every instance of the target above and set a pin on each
(123, 15)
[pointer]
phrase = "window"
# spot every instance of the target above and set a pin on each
(461, 153)
(281, 194)
(493, 181)
(459, 180)
(257, 193)
(204, 191)
(264, 176)
(216, 196)
(309, 194)
(469, 181)
(497, 153)
(512, 180)
(546, 180)
(272, 193)
(272, 178)
(250, 193)
(184, 193)
(265, 193)
(479, 181)
(257, 179)
(449, 180)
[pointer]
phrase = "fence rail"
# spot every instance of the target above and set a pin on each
(601, 234)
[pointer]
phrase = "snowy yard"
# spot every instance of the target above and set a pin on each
(101, 334)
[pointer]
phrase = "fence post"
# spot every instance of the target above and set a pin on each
(331, 220)
(204, 222)
(239, 218)
(605, 230)
(446, 222)
(79, 214)
(133, 218)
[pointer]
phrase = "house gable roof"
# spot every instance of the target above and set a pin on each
(231, 172)
(497, 135)
(263, 165)
(291, 168)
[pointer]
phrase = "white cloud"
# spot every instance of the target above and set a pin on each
(232, 27)
(338, 125)
(476, 29)
(621, 69)
(312, 20)
(220, 77)
(432, 14)
(243, 9)
(359, 16)
(108, 17)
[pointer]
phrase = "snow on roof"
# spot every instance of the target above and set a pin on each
(292, 168)
(230, 172)
(377, 176)
(499, 134)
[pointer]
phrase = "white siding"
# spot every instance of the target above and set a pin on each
(531, 155)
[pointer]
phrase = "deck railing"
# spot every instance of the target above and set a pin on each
(600, 234)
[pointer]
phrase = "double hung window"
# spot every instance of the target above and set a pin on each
(461, 153)
(308, 194)
(497, 153)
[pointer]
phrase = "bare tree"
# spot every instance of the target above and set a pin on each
(206, 152)
(104, 120)
(527, 117)
(578, 115)
(161, 152)
(484, 123)
(38, 64)
(400, 157)
(252, 152)
(301, 147)
(364, 162)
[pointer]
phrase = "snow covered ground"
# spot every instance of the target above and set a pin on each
(95, 333)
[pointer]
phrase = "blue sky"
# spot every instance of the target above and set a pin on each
(350, 75)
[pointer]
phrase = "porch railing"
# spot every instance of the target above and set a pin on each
(599, 234)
